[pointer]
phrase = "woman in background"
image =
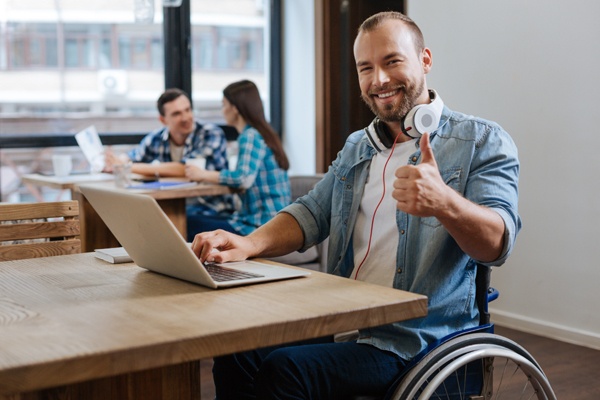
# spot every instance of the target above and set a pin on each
(261, 170)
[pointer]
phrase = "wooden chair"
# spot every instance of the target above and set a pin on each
(28, 232)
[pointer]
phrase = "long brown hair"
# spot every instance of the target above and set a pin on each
(245, 97)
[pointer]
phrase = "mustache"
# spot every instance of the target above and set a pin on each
(376, 91)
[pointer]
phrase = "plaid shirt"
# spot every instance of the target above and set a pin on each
(267, 187)
(207, 140)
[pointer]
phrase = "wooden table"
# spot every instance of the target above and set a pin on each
(94, 232)
(75, 327)
(65, 182)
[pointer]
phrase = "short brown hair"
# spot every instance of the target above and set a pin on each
(377, 19)
(168, 96)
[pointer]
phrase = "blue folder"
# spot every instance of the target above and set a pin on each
(160, 185)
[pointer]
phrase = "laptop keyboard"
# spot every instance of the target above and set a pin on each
(224, 274)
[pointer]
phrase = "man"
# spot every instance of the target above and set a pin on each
(163, 152)
(453, 204)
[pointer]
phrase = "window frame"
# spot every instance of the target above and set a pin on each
(177, 38)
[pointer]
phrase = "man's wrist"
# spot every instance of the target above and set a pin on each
(156, 167)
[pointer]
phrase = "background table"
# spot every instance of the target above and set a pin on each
(65, 182)
(96, 235)
(89, 329)
(94, 232)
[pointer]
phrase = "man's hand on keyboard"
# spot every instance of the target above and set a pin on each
(221, 246)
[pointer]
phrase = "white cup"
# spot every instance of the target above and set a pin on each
(199, 162)
(62, 164)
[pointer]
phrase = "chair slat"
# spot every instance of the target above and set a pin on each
(28, 223)
(20, 211)
(37, 230)
(35, 250)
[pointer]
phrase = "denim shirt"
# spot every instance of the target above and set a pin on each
(478, 159)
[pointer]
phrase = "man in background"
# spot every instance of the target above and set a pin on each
(164, 151)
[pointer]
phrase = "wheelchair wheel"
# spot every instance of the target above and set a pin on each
(473, 367)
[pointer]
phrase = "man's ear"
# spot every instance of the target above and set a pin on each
(426, 60)
(162, 119)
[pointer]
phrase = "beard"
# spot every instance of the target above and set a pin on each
(396, 112)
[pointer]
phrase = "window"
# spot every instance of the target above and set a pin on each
(31, 45)
(67, 65)
(139, 50)
(72, 73)
(229, 43)
(228, 49)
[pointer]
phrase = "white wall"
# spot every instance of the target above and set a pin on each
(533, 66)
(299, 86)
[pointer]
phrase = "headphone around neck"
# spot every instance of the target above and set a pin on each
(422, 118)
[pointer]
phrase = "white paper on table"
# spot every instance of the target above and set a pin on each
(91, 146)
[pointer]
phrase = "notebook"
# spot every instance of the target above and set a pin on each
(114, 255)
(153, 242)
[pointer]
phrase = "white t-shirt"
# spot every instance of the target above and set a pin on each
(176, 152)
(380, 263)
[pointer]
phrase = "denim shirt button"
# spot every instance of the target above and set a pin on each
(402, 231)
(414, 159)
(399, 270)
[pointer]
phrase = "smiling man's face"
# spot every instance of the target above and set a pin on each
(179, 119)
(391, 72)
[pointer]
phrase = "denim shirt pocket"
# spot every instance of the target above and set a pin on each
(451, 177)
(344, 191)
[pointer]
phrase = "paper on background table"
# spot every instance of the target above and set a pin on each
(91, 146)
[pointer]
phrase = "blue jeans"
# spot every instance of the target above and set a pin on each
(203, 219)
(314, 369)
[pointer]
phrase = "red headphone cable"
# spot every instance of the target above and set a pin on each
(376, 208)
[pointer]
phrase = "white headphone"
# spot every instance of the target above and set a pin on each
(420, 119)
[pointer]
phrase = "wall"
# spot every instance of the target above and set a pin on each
(299, 85)
(532, 66)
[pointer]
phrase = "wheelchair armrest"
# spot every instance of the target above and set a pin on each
(487, 328)
(492, 294)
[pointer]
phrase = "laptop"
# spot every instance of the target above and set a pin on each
(153, 242)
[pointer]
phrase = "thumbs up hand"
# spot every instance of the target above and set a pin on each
(419, 189)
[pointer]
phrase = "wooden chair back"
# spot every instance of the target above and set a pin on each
(27, 232)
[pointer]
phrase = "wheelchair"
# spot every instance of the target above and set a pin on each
(474, 364)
